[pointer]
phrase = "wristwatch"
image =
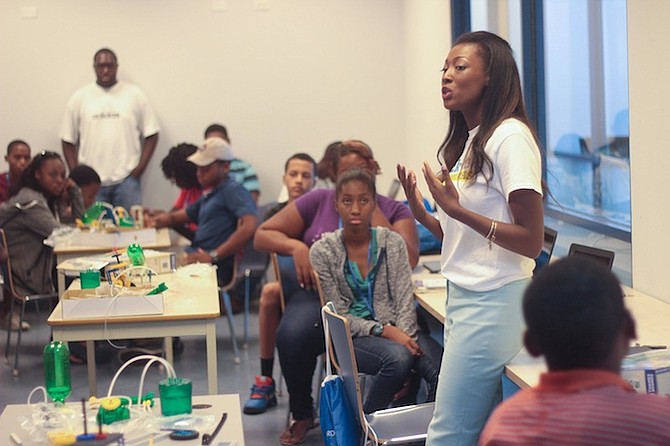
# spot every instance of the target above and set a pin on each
(377, 329)
(214, 255)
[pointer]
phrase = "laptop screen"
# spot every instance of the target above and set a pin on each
(603, 256)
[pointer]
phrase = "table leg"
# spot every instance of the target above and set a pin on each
(212, 374)
(61, 283)
(169, 355)
(90, 366)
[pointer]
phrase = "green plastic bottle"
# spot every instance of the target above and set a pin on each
(57, 371)
(136, 254)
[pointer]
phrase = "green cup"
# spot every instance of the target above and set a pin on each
(89, 279)
(176, 396)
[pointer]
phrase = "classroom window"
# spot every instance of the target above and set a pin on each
(573, 60)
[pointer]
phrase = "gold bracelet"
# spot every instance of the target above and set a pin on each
(492, 237)
(488, 234)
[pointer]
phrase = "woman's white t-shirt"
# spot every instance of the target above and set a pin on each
(467, 260)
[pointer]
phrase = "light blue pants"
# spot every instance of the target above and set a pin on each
(483, 332)
(126, 193)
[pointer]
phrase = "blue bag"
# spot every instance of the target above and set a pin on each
(428, 243)
(337, 420)
(336, 416)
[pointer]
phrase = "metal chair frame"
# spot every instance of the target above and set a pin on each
(399, 425)
(15, 297)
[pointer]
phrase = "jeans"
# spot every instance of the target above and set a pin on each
(483, 332)
(299, 343)
(391, 364)
(126, 193)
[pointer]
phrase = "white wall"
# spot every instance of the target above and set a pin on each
(293, 78)
(427, 42)
(649, 91)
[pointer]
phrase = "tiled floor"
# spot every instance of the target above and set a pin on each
(233, 378)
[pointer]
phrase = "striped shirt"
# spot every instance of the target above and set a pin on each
(244, 174)
(580, 407)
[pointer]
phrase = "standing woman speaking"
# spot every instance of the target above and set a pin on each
(489, 199)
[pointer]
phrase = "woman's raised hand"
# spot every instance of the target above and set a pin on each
(414, 199)
(442, 189)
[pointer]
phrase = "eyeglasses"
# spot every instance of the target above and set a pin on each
(105, 65)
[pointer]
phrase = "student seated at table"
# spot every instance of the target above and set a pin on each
(240, 170)
(88, 181)
(365, 272)
(324, 175)
(299, 177)
(225, 214)
(28, 217)
(71, 202)
(291, 232)
(576, 318)
(179, 171)
(18, 158)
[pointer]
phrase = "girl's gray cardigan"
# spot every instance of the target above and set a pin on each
(393, 298)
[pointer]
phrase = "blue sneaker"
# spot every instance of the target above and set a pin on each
(262, 396)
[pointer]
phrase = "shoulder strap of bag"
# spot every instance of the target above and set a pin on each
(326, 334)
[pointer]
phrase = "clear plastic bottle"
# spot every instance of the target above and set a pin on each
(57, 371)
(136, 254)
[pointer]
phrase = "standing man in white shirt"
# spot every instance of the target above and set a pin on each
(110, 126)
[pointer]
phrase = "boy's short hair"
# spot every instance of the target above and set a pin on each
(574, 311)
(301, 156)
(217, 128)
(15, 143)
(83, 175)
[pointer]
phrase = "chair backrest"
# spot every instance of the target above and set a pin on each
(236, 265)
(550, 236)
(347, 367)
(603, 256)
(5, 264)
(284, 270)
(252, 260)
(319, 290)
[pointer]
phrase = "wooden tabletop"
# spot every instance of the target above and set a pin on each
(192, 294)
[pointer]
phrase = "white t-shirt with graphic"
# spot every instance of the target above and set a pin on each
(467, 260)
(108, 124)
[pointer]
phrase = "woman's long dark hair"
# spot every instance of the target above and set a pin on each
(28, 176)
(502, 99)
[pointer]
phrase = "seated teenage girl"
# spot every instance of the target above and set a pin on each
(291, 232)
(365, 272)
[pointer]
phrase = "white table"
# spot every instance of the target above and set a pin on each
(433, 300)
(651, 316)
(232, 430)
(64, 253)
(67, 252)
(191, 309)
